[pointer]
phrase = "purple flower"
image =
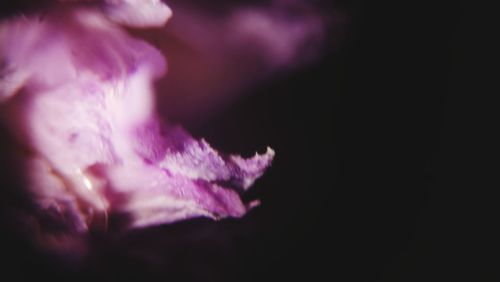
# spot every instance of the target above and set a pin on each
(77, 93)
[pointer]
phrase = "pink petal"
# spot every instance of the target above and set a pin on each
(79, 94)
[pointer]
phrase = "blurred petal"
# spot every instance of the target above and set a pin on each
(138, 13)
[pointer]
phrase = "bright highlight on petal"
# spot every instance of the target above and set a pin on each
(138, 13)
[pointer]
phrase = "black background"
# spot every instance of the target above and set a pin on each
(377, 175)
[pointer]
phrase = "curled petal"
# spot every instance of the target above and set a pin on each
(77, 91)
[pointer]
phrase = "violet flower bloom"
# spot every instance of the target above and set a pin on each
(77, 94)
